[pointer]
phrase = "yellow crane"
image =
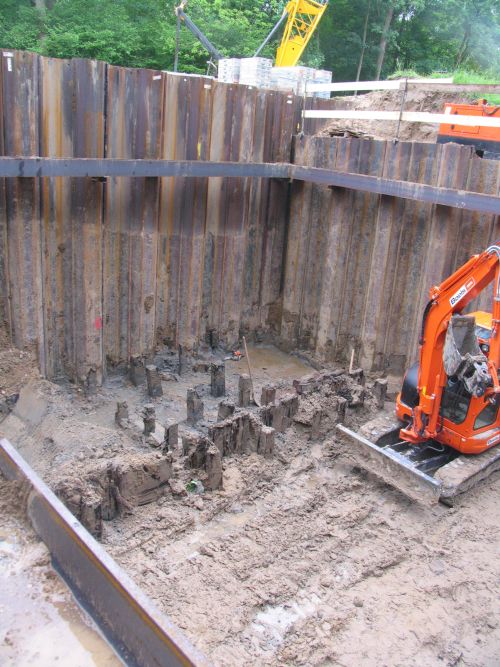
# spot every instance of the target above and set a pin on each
(303, 17)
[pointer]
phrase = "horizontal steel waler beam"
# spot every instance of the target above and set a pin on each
(35, 167)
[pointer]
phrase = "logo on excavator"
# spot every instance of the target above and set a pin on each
(462, 291)
(493, 440)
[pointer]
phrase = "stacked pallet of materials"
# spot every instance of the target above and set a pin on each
(256, 72)
(296, 78)
(322, 76)
(285, 78)
(229, 70)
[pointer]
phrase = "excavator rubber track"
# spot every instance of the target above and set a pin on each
(428, 472)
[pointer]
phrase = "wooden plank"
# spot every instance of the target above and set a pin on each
(441, 85)
(134, 108)
(72, 109)
(407, 116)
(352, 85)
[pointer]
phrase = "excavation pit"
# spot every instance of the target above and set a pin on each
(294, 553)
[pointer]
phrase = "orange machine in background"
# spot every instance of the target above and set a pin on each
(486, 140)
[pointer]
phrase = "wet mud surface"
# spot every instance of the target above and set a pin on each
(299, 558)
(40, 622)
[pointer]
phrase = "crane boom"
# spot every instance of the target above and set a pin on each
(303, 19)
(182, 16)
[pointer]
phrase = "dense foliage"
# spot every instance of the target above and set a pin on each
(364, 38)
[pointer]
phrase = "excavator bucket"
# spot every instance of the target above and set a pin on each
(462, 356)
(390, 466)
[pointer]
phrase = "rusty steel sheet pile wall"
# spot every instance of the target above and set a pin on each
(96, 270)
(21, 234)
(359, 266)
(71, 121)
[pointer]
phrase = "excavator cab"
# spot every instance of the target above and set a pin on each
(483, 329)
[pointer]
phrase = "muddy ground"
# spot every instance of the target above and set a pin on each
(299, 559)
(40, 623)
(390, 100)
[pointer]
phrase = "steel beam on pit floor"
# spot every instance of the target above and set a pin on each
(141, 634)
(36, 167)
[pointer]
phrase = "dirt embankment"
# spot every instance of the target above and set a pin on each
(389, 100)
(17, 368)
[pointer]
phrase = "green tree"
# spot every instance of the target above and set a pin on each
(21, 25)
(356, 39)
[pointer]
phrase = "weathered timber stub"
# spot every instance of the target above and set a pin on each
(218, 379)
(358, 375)
(182, 361)
(114, 489)
(244, 391)
(324, 403)
(305, 385)
(171, 437)
(266, 442)
(149, 418)
(137, 372)
(226, 409)
(201, 367)
(194, 448)
(90, 382)
(239, 434)
(268, 394)
(121, 414)
(316, 424)
(358, 394)
(280, 415)
(341, 407)
(380, 391)
(213, 466)
(195, 407)
(153, 381)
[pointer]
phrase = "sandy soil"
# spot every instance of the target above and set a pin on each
(17, 367)
(389, 100)
(300, 559)
(40, 623)
(309, 563)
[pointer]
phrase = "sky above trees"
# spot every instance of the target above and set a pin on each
(357, 38)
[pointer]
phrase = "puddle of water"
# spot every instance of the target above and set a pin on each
(40, 623)
(269, 362)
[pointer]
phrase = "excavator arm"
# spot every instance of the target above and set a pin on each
(446, 300)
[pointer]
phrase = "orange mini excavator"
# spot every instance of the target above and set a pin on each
(442, 439)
